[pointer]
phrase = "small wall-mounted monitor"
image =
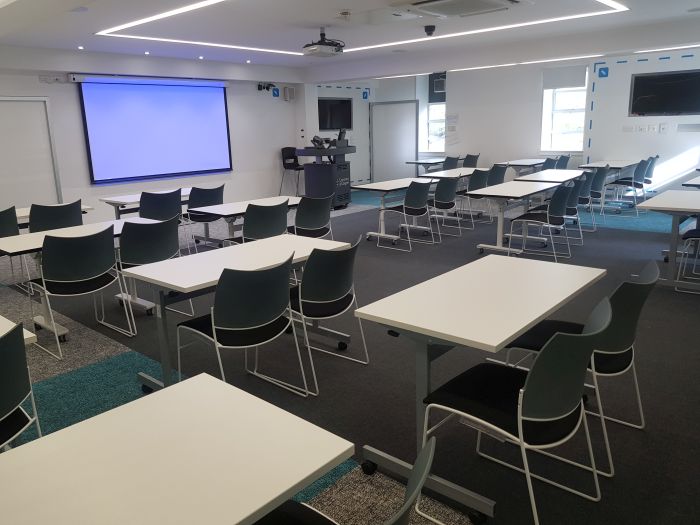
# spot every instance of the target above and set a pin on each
(334, 114)
(673, 93)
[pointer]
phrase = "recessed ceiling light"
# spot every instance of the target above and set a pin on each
(81, 47)
(200, 57)
(247, 61)
(160, 16)
(674, 48)
(146, 52)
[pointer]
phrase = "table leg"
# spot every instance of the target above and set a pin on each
(117, 212)
(382, 223)
(500, 231)
(164, 345)
(423, 388)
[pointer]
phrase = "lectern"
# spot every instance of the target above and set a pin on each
(322, 178)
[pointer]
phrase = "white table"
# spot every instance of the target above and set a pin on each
(615, 165)
(385, 188)
(693, 183)
(6, 325)
(198, 274)
(456, 173)
(522, 165)
(23, 214)
(678, 204)
(426, 163)
(488, 324)
(202, 451)
(501, 194)
(130, 203)
(559, 176)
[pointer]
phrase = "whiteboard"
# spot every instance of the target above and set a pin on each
(394, 128)
(27, 160)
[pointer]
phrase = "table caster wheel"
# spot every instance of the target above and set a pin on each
(393, 242)
(618, 212)
(369, 238)
(584, 398)
(481, 251)
(63, 338)
(666, 259)
(477, 518)
(121, 303)
(150, 312)
(197, 241)
(146, 389)
(288, 330)
(38, 327)
(342, 345)
(369, 467)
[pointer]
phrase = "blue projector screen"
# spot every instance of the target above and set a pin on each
(137, 131)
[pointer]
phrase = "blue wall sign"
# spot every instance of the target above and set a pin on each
(603, 72)
(276, 92)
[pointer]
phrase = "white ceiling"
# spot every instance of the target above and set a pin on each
(289, 24)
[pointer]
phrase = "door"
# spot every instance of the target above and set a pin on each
(394, 139)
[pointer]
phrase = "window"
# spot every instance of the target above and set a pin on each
(563, 118)
(436, 127)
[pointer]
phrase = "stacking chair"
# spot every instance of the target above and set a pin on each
(536, 410)
(199, 198)
(313, 217)
(572, 209)
(691, 247)
(450, 163)
(444, 200)
(633, 185)
(415, 205)
(160, 206)
(477, 181)
(44, 217)
(585, 199)
(598, 192)
(470, 161)
(552, 218)
(261, 222)
(290, 164)
(251, 308)
(294, 513)
(549, 164)
(78, 266)
(15, 388)
(497, 174)
(10, 228)
(326, 291)
(648, 177)
(562, 162)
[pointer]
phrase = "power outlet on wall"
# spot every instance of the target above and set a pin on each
(652, 128)
(641, 129)
(663, 128)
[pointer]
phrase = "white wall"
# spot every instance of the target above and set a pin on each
(616, 135)
(392, 89)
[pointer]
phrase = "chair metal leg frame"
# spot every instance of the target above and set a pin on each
(642, 422)
(619, 198)
(461, 213)
(589, 208)
(683, 274)
(525, 249)
(130, 331)
(43, 294)
(414, 224)
(408, 234)
(575, 241)
(444, 216)
(33, 420)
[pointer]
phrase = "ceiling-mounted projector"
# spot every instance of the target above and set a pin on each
(325, 47)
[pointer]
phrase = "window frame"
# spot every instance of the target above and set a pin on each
(551, 116)
(442, 120)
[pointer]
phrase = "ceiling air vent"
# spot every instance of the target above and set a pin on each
(453, 8)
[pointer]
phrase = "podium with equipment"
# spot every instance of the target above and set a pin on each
(332, 176)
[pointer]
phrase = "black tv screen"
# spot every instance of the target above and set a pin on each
(334, 113)
(676, 93)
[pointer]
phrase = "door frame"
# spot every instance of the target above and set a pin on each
(371, 130)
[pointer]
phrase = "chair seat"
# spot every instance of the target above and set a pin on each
(199, 217)
(408, 211)
(490, 393)
(13, 424)
(78, 287)
(320, 310)
(441, 205)
(584, 200)
(627, 183)
(239, 338)
(294, 513)
(540, 217)
(303, 232)
(691, 234)
(536, 337)
(541, 207)
(465, 193)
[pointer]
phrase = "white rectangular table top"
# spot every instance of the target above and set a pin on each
(135, 198)
(514, 189)
(232, 209)
(674, 202)
(614, 164)
(456, 173)
(427, 161)
(515, 295)
(33, 242)
(391, 185)
(6, 325)
(692, 183)
(560, 176)
(523, 162)
(201, 451)
(23, 213)
(200, 271)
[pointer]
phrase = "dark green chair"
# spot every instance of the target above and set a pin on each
(161, 206)
(470, 161)
(598, 192)
(15, 388)
(294, 513)
(200, 198)
(415, 205)
(562, 162)
(633, 184)
(251, 308)
(10, 228)
(442, 202)
(585, 199)
(262, 221)
(450, 163)
(43, 217)
(535, 410)
(313, 217)
(497, 174)
(477, 181)
(66, 271)
(549, 164)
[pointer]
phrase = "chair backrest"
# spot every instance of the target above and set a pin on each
(549, 164)
(478, 180)
(627, 302)
(14, 376)
(417, 195)
(70, 259)
(148, 243)
(8, 222)
(650, 168)
(562, 162)
(160, 206)
(640, 171)
(497, 174)
(44, 217)
(601, 175)
(558, 203)
(446, 190)
(414, 485)
(249, 299)
(450, 163)
(585, 192)
(555, 383)
(290, 160)
(313, 213)
(470, 161)
(200, 197)
(261, 222)
(574, 194)
(328, 274)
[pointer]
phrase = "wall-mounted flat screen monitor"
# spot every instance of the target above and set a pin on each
(673, 93)
(147, 130)
(334, 113)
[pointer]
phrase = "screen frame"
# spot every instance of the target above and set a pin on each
(352, 120)
(657, 74)
(158, 175)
